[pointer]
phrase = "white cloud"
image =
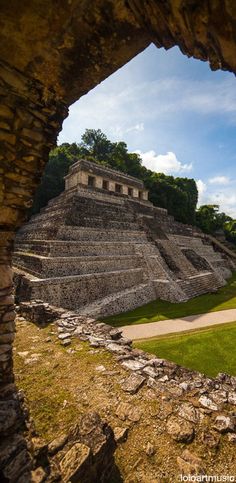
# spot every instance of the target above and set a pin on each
(225, 198)
(201, 187)
(221, 180)
(226, 201)
(138, 127)
(115, 105)
(163, 163)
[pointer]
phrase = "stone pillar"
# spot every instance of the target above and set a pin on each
(111, 186)
(98, 182)
(135, 193)
(30, 120)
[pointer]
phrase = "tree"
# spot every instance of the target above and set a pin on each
(209, 219)
(230, 231)
(52, 182)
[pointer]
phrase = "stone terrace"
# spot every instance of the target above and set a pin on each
(101, 251)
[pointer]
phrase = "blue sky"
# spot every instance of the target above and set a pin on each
(178, 114)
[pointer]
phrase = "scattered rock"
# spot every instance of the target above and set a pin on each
(100, 368)
(190, 464)
(180, 430)
(232, 438)
(174, 391)
(78, 331)
(163, 378)
(133, 383)
(219, 397)
(125, 411)
(150, 371)
(211, 439)
(99, 437)
(232, 398)
(115, 333)
(120, 434)
(189, 412)
(64, 335)
(133, 365)
(134, 414)
(165, 410)
(150, 450)
(208, 403)
(184, 385)
(57, 443)
(224, 424)
(66, 342)
(76, 462)
(38, 475)
(116, 348)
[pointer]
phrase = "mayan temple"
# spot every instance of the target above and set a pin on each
(102, 248)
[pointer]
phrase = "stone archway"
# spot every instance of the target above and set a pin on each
(52, 53)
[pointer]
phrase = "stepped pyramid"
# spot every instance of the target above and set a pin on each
(102, 248)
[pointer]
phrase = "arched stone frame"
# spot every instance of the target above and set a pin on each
(51, 57)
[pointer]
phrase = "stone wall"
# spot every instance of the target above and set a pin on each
(49, 61)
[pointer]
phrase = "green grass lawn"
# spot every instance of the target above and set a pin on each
(209, 351)
(224, 298)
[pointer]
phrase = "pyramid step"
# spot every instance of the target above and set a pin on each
(91, 234)
(200, 284)
(76, 291)
(46, 267)
(75, 248)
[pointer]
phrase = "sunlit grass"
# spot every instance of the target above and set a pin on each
(224, 298)
(209, 350)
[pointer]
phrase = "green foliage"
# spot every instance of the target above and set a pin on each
(177, 195)
(209, 219)
(52, 183)
(230, 231)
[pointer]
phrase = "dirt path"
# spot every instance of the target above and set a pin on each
(169, 326)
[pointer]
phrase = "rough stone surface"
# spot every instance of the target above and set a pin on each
(120, 434)
(76, 462)
(136, 252)
(224, 424)
(42, 72)
(133, 383)
(180, 430)
(57, 444)
(190, 464)
(207, 403)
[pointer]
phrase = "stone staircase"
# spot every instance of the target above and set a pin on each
(200, 284)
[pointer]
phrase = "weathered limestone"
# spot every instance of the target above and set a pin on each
(136, 252)
(51, 56)
(29, 124)
(87, 174)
